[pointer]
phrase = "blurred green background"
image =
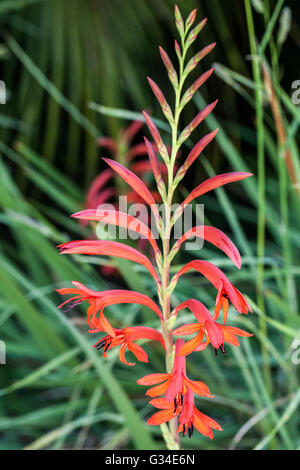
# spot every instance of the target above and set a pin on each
(75, 71)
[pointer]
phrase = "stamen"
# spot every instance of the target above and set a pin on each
(107, 346)
(191, 430)
(222, 347)
(71, 305)
(216, 352)
(175, 405)
(181, 399)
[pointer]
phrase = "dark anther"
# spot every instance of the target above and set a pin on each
(216, 352)
(107, 346)
(175, 404)
(222, 347)
(191, 430)
(71, 305)
(101, 344)
(183, 432)
(181, 399)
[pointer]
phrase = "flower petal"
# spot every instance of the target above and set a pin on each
(199, 388)
(188, 329)
(192, 344)
(153, 379)
(134, 182)
(215, 182)
(217, 238)
(161, 417)
(162, 403)
(108, 248)
(120, 219)
(138, 351)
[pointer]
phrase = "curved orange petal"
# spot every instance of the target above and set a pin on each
(202, 428)
(138, 351)
(191, 345)
(161, 417)
(122, 355)
(106, 325)
(162, 403)
(199, 388)
(153, 379)
(158, 389)
(207, 420)
(188, 329)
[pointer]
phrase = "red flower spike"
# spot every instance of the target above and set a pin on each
(108, 248)
(169, 66)
(131, 131)
(192, 64)
(124, 337)
(98, 300)
(97, 185)
(156, 136)
(120, 219)
(214, 236)
(176, 384)
(218, 279)
(197, 84)
(161, 99)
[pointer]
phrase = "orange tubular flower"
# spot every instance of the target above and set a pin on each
(98, 300)
(215, 334)
(226, 291)
(124, 337)
(189, 416)
(174, 385)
